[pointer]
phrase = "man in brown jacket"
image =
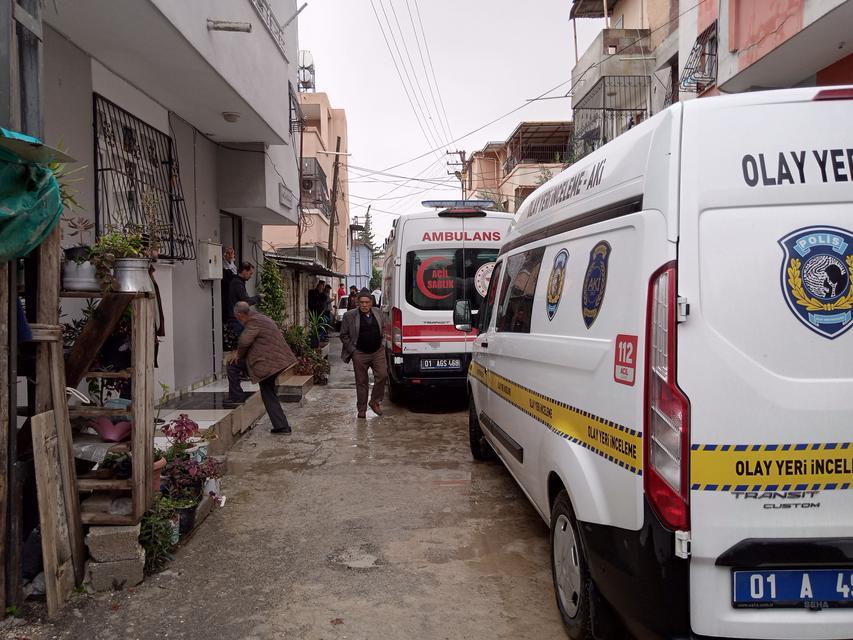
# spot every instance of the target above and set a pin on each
(362, 332)
(263, 350)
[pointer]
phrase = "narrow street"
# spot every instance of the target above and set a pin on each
(382, 528)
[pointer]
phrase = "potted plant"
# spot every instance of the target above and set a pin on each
(317, 328)
(183, 435)
(158, 533)
(78, 272)
(156, 469)
(120, 261)
(120, 464)
(186, 478)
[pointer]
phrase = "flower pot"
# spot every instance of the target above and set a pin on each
(198, 452)
(131, 275)
(187, 519)
(155, 475)
(80, 277)
(175, 523)
(212, 485)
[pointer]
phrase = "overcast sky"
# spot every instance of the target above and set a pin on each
(488, 57)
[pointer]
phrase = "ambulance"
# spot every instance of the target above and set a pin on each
(664, 363)
(432, 259)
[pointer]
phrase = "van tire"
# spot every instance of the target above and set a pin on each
(573, 587)
(396, 392)
(480, 448)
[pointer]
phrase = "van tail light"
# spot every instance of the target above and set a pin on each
(666, 446)
(396, 330)
(834, 94)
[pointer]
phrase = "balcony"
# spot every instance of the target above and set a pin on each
(538, 143)
(165, 49)
(315, 189)
(614, 52)
(614, 105)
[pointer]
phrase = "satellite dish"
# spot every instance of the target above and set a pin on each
(306, 60)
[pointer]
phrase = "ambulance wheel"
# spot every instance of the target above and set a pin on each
(397, 392)
(572, 584)
(480, 448)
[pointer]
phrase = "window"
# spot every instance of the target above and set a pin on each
(436, 278)
(489, 303)
(519, 285)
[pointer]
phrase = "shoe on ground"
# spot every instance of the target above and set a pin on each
(362, 415)
(287, 431)
(376, 408)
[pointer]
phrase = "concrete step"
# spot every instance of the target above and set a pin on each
(294, 388)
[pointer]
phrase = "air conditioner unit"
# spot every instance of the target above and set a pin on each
(307, 184)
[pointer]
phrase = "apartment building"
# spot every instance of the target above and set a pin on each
(175, 117)
(322, 126)
(745, 45)
(507, 172)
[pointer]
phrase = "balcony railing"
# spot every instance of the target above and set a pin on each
(539, 154)
(614, 105)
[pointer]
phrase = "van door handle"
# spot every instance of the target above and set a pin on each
(484, 344)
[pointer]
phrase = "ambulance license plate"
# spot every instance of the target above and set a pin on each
(804, 588)
(438, 364)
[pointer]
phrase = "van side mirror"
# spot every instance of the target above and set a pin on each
(462, 315)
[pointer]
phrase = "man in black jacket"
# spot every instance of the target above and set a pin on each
(237, 293)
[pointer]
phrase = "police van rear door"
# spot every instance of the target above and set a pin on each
(765, 358)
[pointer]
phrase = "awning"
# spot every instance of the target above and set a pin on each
(307, 265)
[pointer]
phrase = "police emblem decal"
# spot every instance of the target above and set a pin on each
(816, 273)
(595, 282)
(555, 283)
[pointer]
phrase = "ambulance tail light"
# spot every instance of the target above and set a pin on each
(396, 330)
(666, 445)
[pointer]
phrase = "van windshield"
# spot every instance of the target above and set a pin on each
(436, 278)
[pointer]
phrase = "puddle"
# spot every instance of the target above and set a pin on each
(362, 557)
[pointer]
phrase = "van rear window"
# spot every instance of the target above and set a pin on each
(436, 278)
(515, 308)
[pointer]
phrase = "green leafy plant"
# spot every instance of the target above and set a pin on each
(110, 247)
(297, 338)
(317, 325)
(155, 534)
(71, 330)
(366, 235)
(320, 366)
(272, 286)
(376, 279)
(63, 175)
(121, 464)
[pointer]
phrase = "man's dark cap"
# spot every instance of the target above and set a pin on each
(364, 293)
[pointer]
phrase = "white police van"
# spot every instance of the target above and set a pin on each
(433, 258)
(665, 365)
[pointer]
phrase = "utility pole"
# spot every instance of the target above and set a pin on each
(459, 173)
(331, 259)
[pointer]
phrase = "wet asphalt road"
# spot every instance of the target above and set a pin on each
(383, 528)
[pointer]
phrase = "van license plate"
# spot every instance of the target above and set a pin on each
(809, 588)
(437, 364)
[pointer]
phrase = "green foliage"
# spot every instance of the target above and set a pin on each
(366, 235)
(317, 324)
(14, 611)
(494, 196)
(155, 534)
(376, 279)
(544, 175)
(67, 193)
(296, 337)
(110, 247)
(272, 286)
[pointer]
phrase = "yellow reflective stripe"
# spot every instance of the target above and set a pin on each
(814, 466)
(617, 444)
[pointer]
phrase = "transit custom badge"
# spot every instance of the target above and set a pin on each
(555, 283)
(816, 278)
(595, 282)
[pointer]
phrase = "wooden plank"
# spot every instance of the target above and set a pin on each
(142, 354)
(102, 484)
(95, 412)
(47, 310)
(68, 473)
(46, 332)
(56, 547)
(94, 334)
(81, 294)
(7, 392)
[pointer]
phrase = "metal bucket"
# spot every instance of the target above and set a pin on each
(131, 274)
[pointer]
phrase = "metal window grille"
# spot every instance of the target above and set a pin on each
(297, 122)
(614, 105)
(700, 72)
(138, 185)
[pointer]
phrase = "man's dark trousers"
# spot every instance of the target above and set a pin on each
(272, 403)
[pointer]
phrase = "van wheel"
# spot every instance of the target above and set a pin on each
(572, 584)
(480, 448)
(396, 392)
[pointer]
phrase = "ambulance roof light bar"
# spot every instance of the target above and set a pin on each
(459, 208)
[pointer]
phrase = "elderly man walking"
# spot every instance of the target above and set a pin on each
(361, 337)
(262, 349)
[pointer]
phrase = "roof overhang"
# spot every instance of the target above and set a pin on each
(590, 8)
(298, 263)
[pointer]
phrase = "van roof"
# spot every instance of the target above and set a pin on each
(614, 174)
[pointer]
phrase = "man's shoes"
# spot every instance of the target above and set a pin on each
(374, 406)
(239, 399)
(286, 431)
(362, 415)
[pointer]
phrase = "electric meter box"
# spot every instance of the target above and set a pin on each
(209, 260)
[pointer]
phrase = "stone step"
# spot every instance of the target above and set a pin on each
(294, 388)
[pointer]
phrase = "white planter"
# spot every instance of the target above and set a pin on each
(131, 274)
(80, 277)
(198, 452)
